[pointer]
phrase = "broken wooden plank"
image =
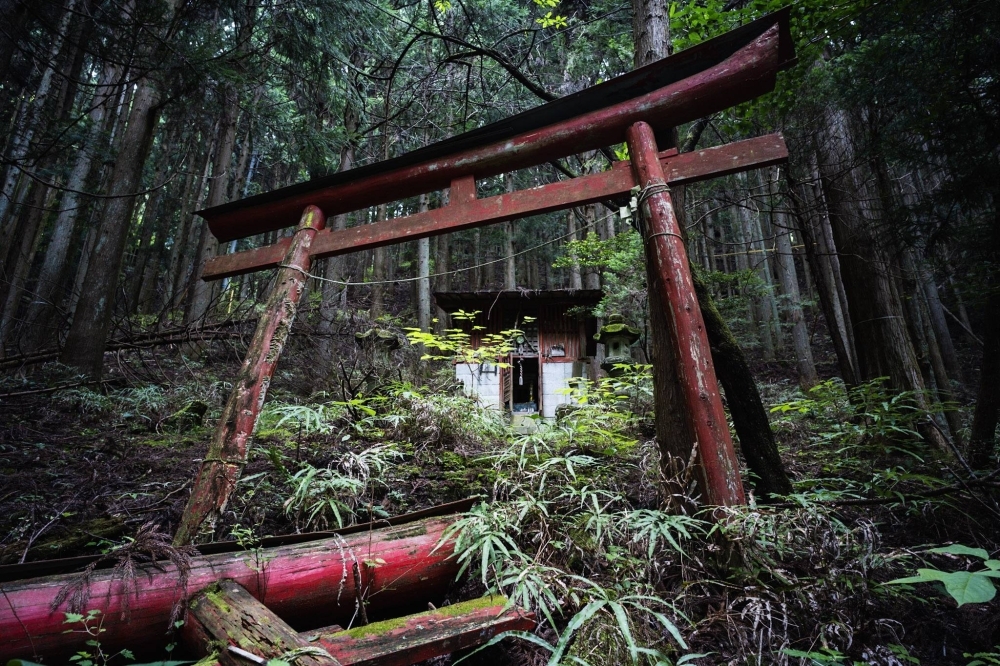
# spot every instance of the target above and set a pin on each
(415, 638)
(465, 211)
(305, 583)
(225, 614)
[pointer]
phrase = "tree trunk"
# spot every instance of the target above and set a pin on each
(88, 334)
(510, 271)
(820, 265)
(882, 341)
(423, 272)
(793, 302)
(592, 278)
(938, 322)
(145, 298)
(378, 271)
(674, 434)
(64, 227)
(757, 262)
(477, 259)
(983, 434)
(20, 263)
(26, 126)
(208, 244)
(334, 295)
(143, 249)
(190, 232)
(575, 277)
(753, 429)
(442, 265)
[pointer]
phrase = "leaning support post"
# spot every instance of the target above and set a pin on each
(227, 453)
(718, 475)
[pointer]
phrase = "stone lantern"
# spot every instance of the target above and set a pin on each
(617, 338)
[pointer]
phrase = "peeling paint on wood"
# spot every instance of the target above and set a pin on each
(747, 73)
(719, 477)
(227, 452)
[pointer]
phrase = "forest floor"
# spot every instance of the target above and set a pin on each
(801, 581)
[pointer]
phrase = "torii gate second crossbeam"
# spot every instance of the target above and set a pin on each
(733, 68)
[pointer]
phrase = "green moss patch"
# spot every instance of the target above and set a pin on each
(386, 626)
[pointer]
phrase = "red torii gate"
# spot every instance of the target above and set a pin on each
(733, 68)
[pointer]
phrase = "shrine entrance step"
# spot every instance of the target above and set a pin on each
(227, 615)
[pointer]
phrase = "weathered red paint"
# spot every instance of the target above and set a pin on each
(464, 211)
(423, 636)
(720, 478)
(305, 584)
(227, 452)
(745, 75)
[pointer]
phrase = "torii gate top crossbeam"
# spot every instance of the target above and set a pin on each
(714, 75)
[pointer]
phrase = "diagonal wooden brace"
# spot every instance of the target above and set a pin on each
(719, 477)
(227, 452)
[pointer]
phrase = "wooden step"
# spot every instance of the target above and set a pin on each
(414, 638)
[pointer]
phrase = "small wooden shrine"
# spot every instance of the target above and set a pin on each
(555, 344)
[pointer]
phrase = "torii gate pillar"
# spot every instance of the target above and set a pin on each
(720, 479)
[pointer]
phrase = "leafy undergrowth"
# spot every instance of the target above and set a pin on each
(571, 524)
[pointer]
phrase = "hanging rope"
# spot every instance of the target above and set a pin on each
(650, 190)
(467, 268)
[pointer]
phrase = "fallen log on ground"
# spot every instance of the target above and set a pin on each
(228, 622)
(306, 584)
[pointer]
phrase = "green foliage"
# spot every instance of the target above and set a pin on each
(965, 587)
(823, 657)
(91, 623)
(309, 419)
(423, 416)
(984, 658)
(333, 493)
(560, 537)
(876, 416)
(455, 344)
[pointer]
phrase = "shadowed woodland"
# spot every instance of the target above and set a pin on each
(850, 297)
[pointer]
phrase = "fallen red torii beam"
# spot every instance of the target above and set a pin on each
(304, 582)
(730, 69)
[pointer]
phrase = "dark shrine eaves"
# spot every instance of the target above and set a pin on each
(454, 300)
(514, 143)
